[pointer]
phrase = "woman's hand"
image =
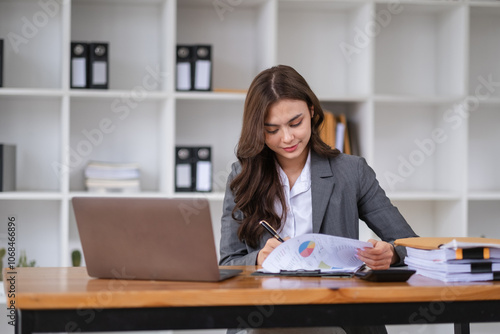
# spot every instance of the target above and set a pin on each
(270, 245)
(381, 256)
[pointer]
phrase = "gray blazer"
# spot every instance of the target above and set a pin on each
(344, 189)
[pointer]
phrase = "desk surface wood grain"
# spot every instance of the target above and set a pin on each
(69, 288)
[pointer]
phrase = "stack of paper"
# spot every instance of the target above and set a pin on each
(454, 259)
(107, 177)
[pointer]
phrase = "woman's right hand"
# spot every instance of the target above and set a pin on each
(270, 245)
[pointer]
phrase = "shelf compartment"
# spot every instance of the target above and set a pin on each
(483, 218)
(34, 126)
(114, 131)
(358, 116)
(419, 148)
(135, 33)
(36, 222)
(32, 33)
(484, 50)
(316, 38)
(430, 63)
(242, 38)
(430, 218)
(483, 160)
(211, 123)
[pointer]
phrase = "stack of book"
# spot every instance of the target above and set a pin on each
(454, 259)
(108, 177)
(335, 133)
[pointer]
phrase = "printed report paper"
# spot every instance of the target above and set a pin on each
(316, 251)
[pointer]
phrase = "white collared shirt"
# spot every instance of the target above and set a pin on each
(298, 201)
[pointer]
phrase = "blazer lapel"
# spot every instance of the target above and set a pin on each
(322, 183)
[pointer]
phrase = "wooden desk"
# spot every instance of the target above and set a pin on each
(67, 299)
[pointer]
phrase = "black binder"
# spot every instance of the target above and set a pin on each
(184, 68)
(193, 168)
(7, 167)
(203, 169)
(1, 62)
(79, 64)
(203, 68)
(98, 69)
(183, 169)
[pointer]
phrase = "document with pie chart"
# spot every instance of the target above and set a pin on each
(316, 251)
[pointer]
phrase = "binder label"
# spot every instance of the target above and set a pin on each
(202, 80)
(99, 71)
(203, 174)
(184, 76)
(79, 78)
(183, 176)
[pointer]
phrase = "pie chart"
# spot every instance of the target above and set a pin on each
(306, 248)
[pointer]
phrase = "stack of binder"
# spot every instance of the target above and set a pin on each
(89, 65)
(107, 177)
(334, 132)
(193, 169)
(454, 259)
(194, 68)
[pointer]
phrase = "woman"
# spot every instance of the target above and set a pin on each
(289, 177)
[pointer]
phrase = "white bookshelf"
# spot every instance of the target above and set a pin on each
(422, 49)
(413, 66)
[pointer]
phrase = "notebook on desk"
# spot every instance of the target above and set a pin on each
(148, 238)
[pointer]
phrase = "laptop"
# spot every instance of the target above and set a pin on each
(148, 238)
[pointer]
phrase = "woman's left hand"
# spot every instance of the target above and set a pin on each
(381, 256)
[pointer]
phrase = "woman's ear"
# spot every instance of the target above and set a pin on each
(312, 111)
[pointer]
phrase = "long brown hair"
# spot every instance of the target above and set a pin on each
(258, 185)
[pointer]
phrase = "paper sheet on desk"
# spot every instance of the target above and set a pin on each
(316, 251)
